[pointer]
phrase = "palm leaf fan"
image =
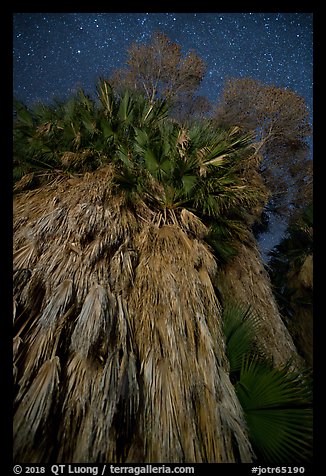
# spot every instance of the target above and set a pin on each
(240, 326)
(277, 407)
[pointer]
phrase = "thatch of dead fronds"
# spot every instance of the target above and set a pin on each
(24, 182)
(119, 353)
(245, 280)
(306, 272)
(300, 324)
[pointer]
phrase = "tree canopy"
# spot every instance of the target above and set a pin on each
(158, 69)
(280, 119)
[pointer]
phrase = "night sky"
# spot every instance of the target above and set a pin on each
(56, 53)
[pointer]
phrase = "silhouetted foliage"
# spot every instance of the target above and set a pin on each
(291, 272)
(279, 118)
(160, 70)
(288, 257)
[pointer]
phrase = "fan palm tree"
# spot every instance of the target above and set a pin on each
(119, 348)
(121, 354)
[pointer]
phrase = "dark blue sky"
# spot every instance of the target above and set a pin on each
(55, 53)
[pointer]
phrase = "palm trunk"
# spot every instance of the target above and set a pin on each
(301, 323)
(245, 280)
(119, 352)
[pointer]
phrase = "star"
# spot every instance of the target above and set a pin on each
(280, 46)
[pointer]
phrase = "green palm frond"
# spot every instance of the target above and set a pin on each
(141, 140)
(240, 327)
(126, 109)
(105, 128)
(130, 128)
(154, 113)
(89, 121)
(69, 109)
(24, 117)
(188, 183)
(106, 97)
(278, 411)
(277, 402)
(131, 180)
(223, 250)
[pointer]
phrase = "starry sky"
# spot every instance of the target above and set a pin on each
(56, 53)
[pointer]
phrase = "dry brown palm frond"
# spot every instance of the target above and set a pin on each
(77, 139)
(16, 344)
(32, 296)
(21, 278)
(182, 142)
(25, 256)
(178, 315)
(43, 336)
(33, 416)
(122, 267)
(81, 376)
(94, 323)
(182, 138)
(90, 410)
(29, 291)
(300, 325)
(306, 272)
(192, 224)
(83, 232)
(49, 223)
(97, 386)
(24, 182)
(70, 158)
(44, 128)
(14, 309)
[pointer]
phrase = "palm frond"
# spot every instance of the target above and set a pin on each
(43, 335)
(33, 417)
(126, 108)
(105, 94)
(99, 386)
(276, 401)
(23, 114)
(278, 409)
(240, 325)
(93, 325)
(143, 303)
(22, 180)
(25, 256)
